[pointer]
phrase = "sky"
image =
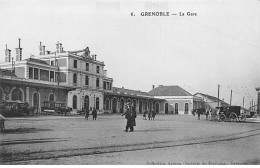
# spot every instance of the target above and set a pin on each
(220, 45)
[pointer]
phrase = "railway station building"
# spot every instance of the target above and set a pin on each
(74, 77)
(79, 80)
(177, 100)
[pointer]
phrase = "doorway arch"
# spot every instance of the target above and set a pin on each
(107, 104)
(176, 108)
(157, 108)
(74, 102)
(121, 105)
(140, 106)
(114, 105)
(166, 108)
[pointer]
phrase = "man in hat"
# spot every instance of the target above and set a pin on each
(130, 117)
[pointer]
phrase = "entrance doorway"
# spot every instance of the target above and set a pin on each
(166, 108)
(114, 105)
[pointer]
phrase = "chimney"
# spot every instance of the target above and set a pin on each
(40, 48)
(19, 52)
(7, 54)
(13, 65)
(153, 87)
(59, 48)
(95, 57)
(43, 50)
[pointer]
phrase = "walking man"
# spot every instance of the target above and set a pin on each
(130, 118)
(198, 112)
(94, 113)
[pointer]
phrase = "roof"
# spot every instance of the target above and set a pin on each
(36, 61)
(169, 91)
(128, 91)
(214, 99)
(4, 72)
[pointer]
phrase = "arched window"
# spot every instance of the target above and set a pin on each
(107, 104)
(176, 108)
(97, 82)
(51, 97)
(97, 103)
(36, 100)
(186, 108)
(74, 102)
(17, 94)
(86, 102)
(114, 106)
(75, 78)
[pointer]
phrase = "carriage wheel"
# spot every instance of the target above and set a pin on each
(233, 117)
(222, 118)
(242, 118)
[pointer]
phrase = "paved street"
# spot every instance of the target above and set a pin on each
(170, 139)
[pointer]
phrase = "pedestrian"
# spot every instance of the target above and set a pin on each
(149, 115)
(130, 118)
(86, 113)
(153, 114)
(210, 111)
(144, 115)
(94, 113)
(2, 122)
(198, 112)
(207, 114)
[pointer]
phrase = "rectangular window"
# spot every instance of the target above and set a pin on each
(44, 75)
(75, 63)
(52, 63)
(30, 73)
(36, 73)
(97, 69)
(97, 82)
(104, 84)
(86, 80)
(51, 76)
(87, 66)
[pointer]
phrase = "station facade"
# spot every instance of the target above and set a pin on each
(80, 80)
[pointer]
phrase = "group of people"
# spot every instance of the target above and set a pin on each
(90, 111)
(151, 115)
(201, 111)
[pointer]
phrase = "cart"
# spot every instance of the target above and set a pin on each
(231, 113)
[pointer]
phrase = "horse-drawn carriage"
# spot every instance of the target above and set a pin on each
(230, 113)
(55, 108)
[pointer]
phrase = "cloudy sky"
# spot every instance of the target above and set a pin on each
(221, 45)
